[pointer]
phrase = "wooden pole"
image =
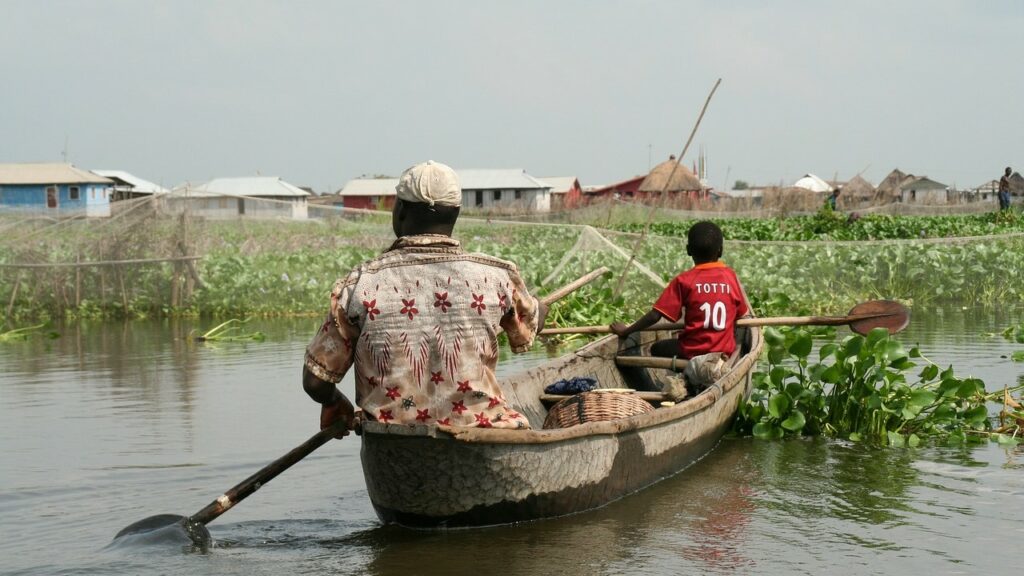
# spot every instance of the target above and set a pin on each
(676, 364)
(78, 280)
(124, 293)
(575, 284)
(650, 212)
(99, 263)
(14, 295)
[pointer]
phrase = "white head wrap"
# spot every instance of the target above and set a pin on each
(430, 183)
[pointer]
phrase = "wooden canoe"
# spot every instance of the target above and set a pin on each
(427, 476)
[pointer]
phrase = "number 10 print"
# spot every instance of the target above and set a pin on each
(714, 316)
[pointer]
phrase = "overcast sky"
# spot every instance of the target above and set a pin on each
(318, 92)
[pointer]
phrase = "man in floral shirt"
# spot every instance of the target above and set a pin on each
(421, 321)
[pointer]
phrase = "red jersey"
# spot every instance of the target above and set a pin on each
(710, 298)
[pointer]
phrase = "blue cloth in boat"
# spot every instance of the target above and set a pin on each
(574, 385)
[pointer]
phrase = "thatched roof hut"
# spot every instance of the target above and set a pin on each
(1016, 184)
(792, 199)
(683, 179)
(858, 189)
(889, 188)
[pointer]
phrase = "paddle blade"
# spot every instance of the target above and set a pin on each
(164, 529)
(887, 314)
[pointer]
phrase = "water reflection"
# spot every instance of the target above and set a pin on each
(112, 423)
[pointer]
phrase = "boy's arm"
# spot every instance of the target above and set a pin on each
(646, 321)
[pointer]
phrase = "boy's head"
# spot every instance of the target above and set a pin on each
(704, 242)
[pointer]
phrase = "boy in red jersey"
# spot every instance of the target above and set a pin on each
(709, 299)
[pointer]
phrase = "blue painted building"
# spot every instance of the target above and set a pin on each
(55, 189)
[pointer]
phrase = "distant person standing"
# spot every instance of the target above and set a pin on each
(831, 200)
(1004, 189)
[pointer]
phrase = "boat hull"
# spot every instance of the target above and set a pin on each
(428, 477)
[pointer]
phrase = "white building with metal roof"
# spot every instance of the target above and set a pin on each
(256, 196)
(812, 183)
(505, 189)
(511, 189)
(127, 186)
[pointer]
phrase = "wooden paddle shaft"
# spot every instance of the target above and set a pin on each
(774, 321)
(676, 364)
(574, 285)
(243, 489)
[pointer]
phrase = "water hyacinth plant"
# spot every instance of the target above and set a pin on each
(828, 225)
(23, 334)
(864, 389)
(230, 331)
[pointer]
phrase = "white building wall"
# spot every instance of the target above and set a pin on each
(536, 200)
(228, 207)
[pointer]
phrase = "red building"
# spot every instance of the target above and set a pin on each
(369, 193)
(627, 189)
(566, 192)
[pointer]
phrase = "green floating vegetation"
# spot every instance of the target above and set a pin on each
(259, 269)
(1015, 333)
(230, 331)
(591, 306)
(861, 389)
(829, 225)
(23, 334)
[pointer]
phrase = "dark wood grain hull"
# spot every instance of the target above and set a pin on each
(426, 477)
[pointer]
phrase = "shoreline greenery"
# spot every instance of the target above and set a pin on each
(858, 389)
(282, 268)
(827, 225)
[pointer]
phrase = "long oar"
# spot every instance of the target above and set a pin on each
(574, 285)
(862, 318)
(163, 527)
(173, 527)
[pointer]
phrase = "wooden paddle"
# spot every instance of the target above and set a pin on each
(172, 527)
(862, 318)
(194, 526)
(574, 285)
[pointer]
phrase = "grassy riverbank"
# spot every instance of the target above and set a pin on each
(268, 268)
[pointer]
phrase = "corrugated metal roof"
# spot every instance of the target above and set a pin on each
(506, 179)
(924, 183)
(559, 184)
(47, 173)
(137, 184)
(271, 186)
(474, 179)
(740, 194)
(813, 183)
(369, 187)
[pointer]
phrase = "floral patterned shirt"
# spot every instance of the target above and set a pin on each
(421, 322)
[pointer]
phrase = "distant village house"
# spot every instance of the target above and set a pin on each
(506, 189)
(254, 196)
(128, 186)
(566, 192)
(53, 188)
(369, 193)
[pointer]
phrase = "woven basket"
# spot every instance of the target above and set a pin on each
(595, 406)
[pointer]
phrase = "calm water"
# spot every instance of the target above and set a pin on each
(113, 423)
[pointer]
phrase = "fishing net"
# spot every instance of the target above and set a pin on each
(251, 256)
